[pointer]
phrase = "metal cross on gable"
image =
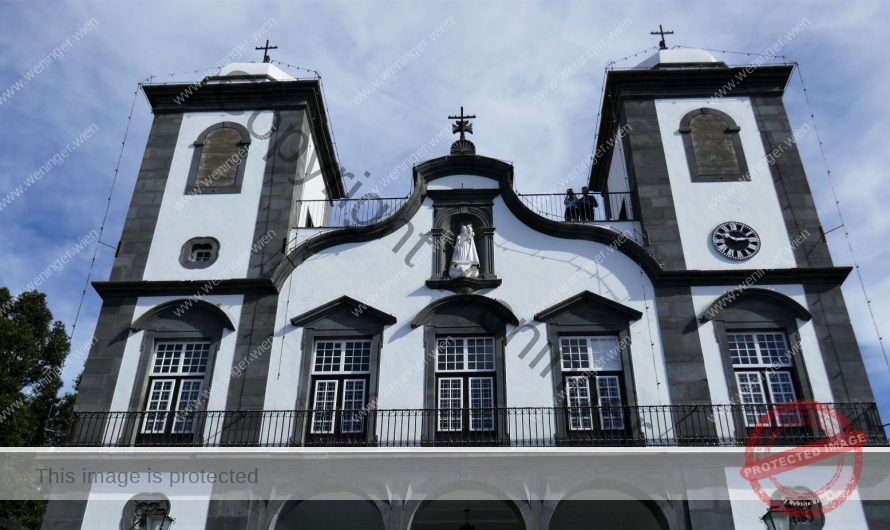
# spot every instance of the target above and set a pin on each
(463, 125)
(662, 44)
(266, 48)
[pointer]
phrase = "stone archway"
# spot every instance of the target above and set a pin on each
(315, 514)
(487, 514)
(628, 514)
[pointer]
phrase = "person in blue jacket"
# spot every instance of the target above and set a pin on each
(571, 203)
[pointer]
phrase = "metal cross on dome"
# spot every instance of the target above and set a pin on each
(662, 44)
(463, 125)
(266, 48)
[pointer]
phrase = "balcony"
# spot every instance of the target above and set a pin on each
(618, 426)
(610, 207)
(339, 213)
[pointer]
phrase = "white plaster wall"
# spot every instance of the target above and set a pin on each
(313, 189)
(754, 203)
(537, 271)
(189, 503)
(371, 273)
(617, 179)
(456, 182)
(810, 350)
(228, 217)
(126, 380)
(748, 508)
(619, 186)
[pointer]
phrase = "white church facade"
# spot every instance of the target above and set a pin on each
(257, 301)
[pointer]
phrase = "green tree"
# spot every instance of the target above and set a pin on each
(32, 414)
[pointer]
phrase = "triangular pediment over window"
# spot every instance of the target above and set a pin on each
(595, 306)
(347, 311)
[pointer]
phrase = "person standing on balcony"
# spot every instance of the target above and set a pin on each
(571, 203)
(586, 205)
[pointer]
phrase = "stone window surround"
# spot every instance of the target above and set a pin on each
(305, 396)
(185, 254)
(191, 186)
(732, 129)
(757, 309)
(335, 321)
(788, 328)
(162, 325)
(588, 314)
(555, 331)
(463, 315)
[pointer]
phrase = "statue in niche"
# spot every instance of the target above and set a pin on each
(465, 260)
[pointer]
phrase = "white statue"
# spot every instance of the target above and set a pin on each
(465, 260)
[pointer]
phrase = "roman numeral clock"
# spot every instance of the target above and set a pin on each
(735, 240)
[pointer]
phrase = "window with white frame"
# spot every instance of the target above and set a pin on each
(762, 365)
(176, 379)
(465, 389)
(202, 252)
(340, 379)
(592, 373)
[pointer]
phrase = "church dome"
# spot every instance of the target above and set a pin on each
(255, 70)
(679, 58)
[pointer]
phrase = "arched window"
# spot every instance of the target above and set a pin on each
(713, 148)
(465, 380)
(760, 345)
(219, 159)
(172, 387)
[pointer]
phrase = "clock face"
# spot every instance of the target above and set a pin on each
(735, 240)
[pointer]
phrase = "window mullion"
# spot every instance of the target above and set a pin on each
(174, 404)
(767, 391)
(757, 349)
(342, 356)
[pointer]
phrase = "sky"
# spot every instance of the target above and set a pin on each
(492, 58)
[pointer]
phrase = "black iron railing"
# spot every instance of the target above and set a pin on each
(336, 213)
(610, 207)
(657, 425)
(370, 209)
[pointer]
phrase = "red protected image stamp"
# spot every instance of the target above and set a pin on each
(768, 456)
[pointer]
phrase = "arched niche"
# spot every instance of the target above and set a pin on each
(713, 147)
(453, 209)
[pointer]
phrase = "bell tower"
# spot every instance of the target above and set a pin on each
(228, 161)
(709, 157)
(712, 158)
